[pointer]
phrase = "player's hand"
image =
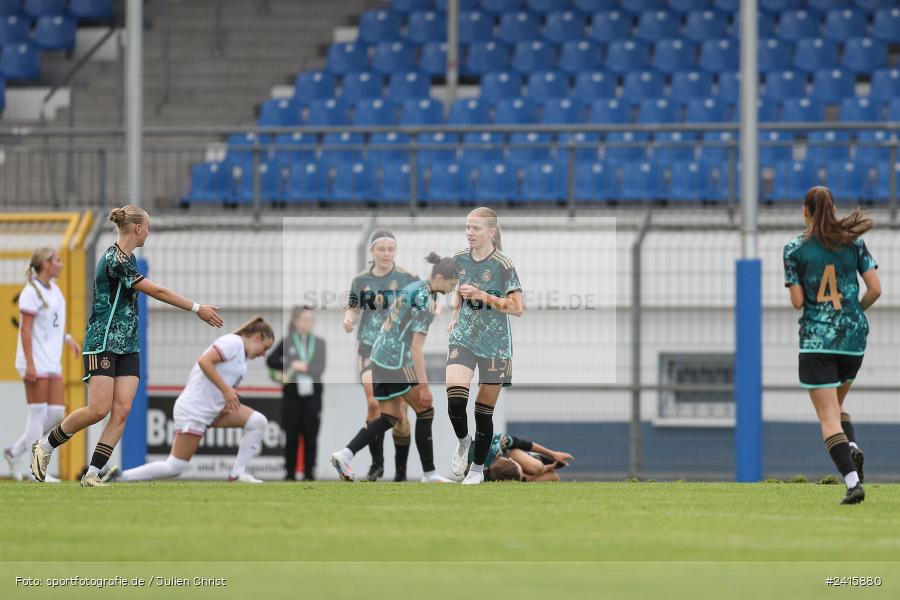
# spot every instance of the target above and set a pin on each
(563, 458)
(425, 397)
(299, 366)
(208, 315)
(470, 292)
(232, 400)
(348, 324)
(451, 326)
(75, 346)
(30, 373)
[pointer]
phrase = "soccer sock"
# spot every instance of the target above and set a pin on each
(100, 457)
(484, 431)
(424, 443)
(457, 399)
(839, 449)
(373, 428)
(55, 438)
(376, 448)
(163, 469)
(254, 430)
(55, 414)
(401, 452)
(847, 426)
(34, 428)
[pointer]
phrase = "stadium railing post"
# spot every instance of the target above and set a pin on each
(134, 440)
(748, 371)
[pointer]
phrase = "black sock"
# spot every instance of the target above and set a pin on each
(401, 453)
(839, 449)
(484, 431)
(373, 428)
(847, 426)
(57, 437)
(457, 399)
(424, 443)
(101, 455)
(376, 448)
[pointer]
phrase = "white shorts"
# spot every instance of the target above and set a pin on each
(192, 424)
(41, 375)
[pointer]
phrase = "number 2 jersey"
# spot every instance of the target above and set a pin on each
(48, 331)
(832, 321)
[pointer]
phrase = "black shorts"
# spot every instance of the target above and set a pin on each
(824, 370)
(391, 383)
(364, 363)
(110, 364)
(490, 370)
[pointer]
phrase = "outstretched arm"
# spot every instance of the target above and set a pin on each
(513, 304)
(206, 312)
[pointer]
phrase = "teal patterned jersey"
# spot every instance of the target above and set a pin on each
(412, 312)
(373, 295)
(113, 325)
(481, 329)
(833, 320)
(499, 445)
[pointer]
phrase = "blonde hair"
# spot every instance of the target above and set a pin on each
(128, 214)
(38, 258)
(490, 216)
(254, 326)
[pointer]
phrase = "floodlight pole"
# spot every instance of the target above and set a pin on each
(452, 53)
(749, 157)
(134, 98)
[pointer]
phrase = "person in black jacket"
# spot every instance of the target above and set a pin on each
(298, 362)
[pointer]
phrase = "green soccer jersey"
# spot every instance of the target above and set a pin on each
(499, 445)
(373, 295)
(412, 312)
(481, 329)
(833, 320)
(113, 325)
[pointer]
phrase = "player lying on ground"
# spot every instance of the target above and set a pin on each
(513, 459)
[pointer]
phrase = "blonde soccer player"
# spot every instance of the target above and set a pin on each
(480, 337)
(39, 346)
(112, 345)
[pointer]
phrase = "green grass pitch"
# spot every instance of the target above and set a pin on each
(324, 540)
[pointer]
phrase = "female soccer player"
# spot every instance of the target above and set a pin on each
(480, 337)
(210, 399)
(371, 292)
(820, 270)
(398, 371)
(111, 345)
(532, 461)
(42, 332)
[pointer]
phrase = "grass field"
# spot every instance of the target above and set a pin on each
(641, 539)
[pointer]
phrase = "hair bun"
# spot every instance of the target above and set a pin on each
(433, 257)
(117, 215)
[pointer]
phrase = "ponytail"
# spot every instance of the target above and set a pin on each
(490, 216)
(830, 231)
(128, 214)
(38, 258)
(254, 326)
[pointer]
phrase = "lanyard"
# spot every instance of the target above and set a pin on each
(302, 350)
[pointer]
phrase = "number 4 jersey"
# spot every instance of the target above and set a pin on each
(833, 320)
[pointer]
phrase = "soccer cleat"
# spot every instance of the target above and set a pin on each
(11, 463)
(435, 478)
(858, 458)
(854, 495)
(40, 458)
(460, 459)
(48, 478)
(92, 479)
(375, 472)
(342, 467)
(110, 474)
(473, 478)
(244, 478)
(399, 477)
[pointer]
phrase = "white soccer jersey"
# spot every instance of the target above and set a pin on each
(48, 332)
(201, 400)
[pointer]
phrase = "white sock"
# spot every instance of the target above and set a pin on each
(55, 414)
(473, 468)
(464, 440)
(428, 474)
(162, 469)
(347, 454)
(251, 441)
(45, 444)
(851, 479)
(853, 445)
(33, 428)
(93, 470)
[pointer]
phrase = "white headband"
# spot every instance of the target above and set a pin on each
(384, 237)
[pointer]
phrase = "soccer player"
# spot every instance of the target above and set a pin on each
(210, 399)
(42, 333)
(480, 337)
(398, 368)
(111, 345)
(820, 271)
(531, 461)
(371, 292)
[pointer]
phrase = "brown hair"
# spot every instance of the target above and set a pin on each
(504, 469)
(490, 216)
(297, 312)
(830, 231)
(38, 258)
(128, 214)
(445, 267)
(254, 326)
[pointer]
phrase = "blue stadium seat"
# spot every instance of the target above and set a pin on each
(306, 182)
(269, 177)
(721, 55)
(521, 26)
(395, 183)
(844, 23)
(781, 85)
(658, 110)
(864, 55)
(469, 111)
(354, 182)
(463, 4)
(775, 147)
(565, 26)
(860, 110)
(609, 26)
(657, 25)
(394, 57)
(389, 147)
(594, 180)
(484, 57)
(501, 84)
(374, 112)
(294, 147)
(704, 25)
(642, 84)
(728, 87)
(780, 5)
(885, 85)
(823, 147)
(10, 7)
(774, 55)
(691, 181)
(449, 183)
(313, 85)
(544, 181)
(91, 10)
(792, 179)
(714, 149)
(592, 85)
(357, 86)
(481, 148)
(426, 26)
(408, 6)
(241, 147)
(529, 57)
(833, 85)
(813, 54)
(405, 86)
(562, 111)
(673, 147)
(208, 183)
(475, 26)
(41, 8)
(20, 62)
(881, 191)
(846, 180)
(592, 6)
(55, 32)
(279, 112)
(580, 56)
(14, 29)
(515, 111)
(706, 110)
(686, 6)
(766, 110)
(687, 85)
(641, 181)
(827, 5)
(441, 148)
(327, 112)
(672, 55)
(638, 6)
(886, 25)
(765, 26)
(528, 148)
(433, 60)
(807, 110)
(609, 111)
(731, 6)
(342, 148)
(586, 146)
(380, 26)
(795, 25)
(625, 56)
(544, 7)
(870, 147)
(422, 111)
(496, 183)
(543, 86)
(347, 57)
(626, 146)
(502, 6)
